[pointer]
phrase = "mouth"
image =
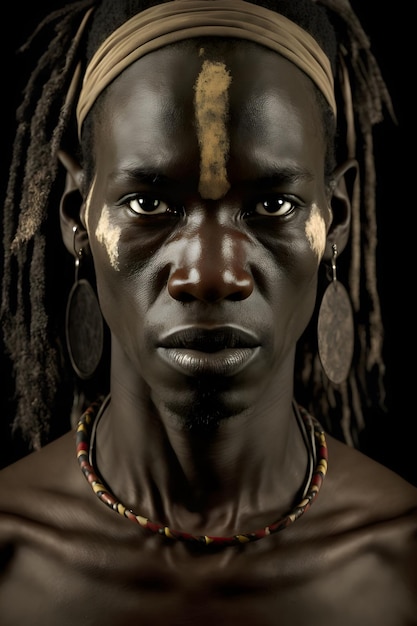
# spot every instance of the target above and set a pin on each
(217, 351)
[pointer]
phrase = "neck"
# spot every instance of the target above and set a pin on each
(316, 445)
(243, 473)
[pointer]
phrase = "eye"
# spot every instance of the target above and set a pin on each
(277, 206)
(143, 205)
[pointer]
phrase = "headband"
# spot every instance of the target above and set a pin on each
(177, 20)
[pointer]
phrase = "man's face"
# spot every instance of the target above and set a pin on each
(207, 220)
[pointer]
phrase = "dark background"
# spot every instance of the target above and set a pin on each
(391, 438)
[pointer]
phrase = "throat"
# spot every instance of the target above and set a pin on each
(313, 436)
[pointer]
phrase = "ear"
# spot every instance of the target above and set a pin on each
(344, 189)
(71, 206)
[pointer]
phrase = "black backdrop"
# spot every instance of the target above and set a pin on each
(390, 438)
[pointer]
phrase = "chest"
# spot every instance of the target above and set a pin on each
(96, 580)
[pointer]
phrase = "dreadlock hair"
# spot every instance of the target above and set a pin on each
(34, 294)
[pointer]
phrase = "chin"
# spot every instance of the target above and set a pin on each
(207, 407)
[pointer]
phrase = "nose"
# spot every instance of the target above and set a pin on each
(211, 265)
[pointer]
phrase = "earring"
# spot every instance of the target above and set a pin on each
(83, 323)
(335, 330)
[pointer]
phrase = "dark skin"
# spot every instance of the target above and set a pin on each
(244, 256)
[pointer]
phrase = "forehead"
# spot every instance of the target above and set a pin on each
(149, 111)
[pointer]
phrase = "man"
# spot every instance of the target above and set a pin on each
(208, 195)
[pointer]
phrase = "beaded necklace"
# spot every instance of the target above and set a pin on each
(317, 449)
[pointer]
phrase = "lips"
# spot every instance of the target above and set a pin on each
(216, 351)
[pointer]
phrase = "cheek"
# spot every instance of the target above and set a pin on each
(315, 230)
(108, 236)
(126, 270)
(296, 285)
(104, 242)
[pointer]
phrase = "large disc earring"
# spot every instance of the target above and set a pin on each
(335, 329)
(83, 323)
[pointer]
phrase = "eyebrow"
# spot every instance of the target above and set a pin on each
(146, 176)
(273, 176)
(285, 174)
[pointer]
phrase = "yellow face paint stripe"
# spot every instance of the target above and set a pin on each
(211, 113)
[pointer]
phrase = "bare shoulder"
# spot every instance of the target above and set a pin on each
(370, 509)
(45, 489)
(59, 543)
(362, 479)
(372, 493)
(39, 470)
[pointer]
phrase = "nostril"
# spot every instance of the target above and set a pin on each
(209, 285)
(181, 284)
(210, 263)
(242, 289)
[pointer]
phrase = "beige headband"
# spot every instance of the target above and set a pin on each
(177, 20)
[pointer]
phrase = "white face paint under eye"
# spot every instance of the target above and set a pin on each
(211, 112)
(316, 231)
(109, 236)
